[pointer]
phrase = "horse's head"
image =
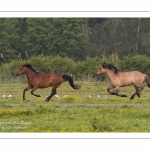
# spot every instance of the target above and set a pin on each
(106, 66)
(22, 70)
(102, 69)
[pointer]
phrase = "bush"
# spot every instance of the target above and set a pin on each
(140, 63)
(87, 67)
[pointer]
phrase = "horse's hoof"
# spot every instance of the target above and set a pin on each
(131, 98)
(46, 100)
(113, 93)
(123, 95)
(138, 95)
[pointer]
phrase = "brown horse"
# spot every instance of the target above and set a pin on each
(38, 80)
(120, 79)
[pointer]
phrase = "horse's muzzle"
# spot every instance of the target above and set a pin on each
(17, 74)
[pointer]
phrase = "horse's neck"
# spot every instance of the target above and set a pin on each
(29, 73)
(110, 74)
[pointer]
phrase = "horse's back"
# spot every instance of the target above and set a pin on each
(134, 77)
(46, 80)
(52, 77)
(139, 77)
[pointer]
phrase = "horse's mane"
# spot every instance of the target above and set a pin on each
(111, 67)
(30, 67)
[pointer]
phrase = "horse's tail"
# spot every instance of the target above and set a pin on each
(147, 79)
(69, 78)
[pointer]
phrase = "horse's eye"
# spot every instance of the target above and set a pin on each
(100, 68)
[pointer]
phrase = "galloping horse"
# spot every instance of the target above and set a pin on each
(38, 80)
(120, 79)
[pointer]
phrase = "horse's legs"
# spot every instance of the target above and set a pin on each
(33, 89)
(132, 97)
(138, 91)
(117, 91)
(112, 93)
(52, 93)
(26, 89)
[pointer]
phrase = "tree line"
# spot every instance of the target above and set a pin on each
(75, 38)
(78, 68)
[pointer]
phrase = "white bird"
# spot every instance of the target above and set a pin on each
(105, 96)
(65, 95)
(98, 96)
(9, 96)
(3, 96)
(57, 96)
(89, 96)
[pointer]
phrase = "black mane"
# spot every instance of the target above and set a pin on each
(111, 67)
(30, 67)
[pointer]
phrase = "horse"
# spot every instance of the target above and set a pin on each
(119, 79)
(37, 80)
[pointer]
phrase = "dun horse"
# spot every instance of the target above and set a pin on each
(120, 79)
(38, 80)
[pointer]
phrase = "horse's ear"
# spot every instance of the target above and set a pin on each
(104, 65)
(30, 65)
(27, 65)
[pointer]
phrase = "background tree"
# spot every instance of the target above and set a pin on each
(67, 36)
(124, 36)
(21, 27)
(36, 39)
(75, 38)
(8, 39)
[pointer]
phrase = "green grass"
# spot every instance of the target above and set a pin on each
(75, 113)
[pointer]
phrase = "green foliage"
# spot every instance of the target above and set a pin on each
(87, 67)
(77, 38)
(66, 36)
(43, 64)
(11, 68)
(59, 36)
(9, 38)
(139, 63)
(37, 36)
(124, 36)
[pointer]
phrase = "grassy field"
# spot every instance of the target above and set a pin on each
(76, 112)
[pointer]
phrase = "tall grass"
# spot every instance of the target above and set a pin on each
(75, 113)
